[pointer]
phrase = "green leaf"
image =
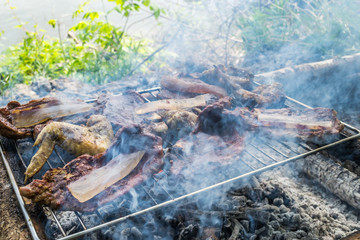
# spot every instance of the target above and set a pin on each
(52, 22)
(120, 2)
(157, 13)
(146, 3)
(91, 15)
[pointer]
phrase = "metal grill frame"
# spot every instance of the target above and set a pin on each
(355, 134)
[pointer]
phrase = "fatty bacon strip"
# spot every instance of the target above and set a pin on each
(53, 189)
(18, 120)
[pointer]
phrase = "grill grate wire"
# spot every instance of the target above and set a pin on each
(263, 149)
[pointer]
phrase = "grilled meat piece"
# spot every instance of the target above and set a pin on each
(7, 129)
(190, 85)
(212, 144)
(17, 121)
(167, 94)
(92, 139)
(52, 189)
(222, 82)
(313, 124)
(229, 78)
(179, 123)
(263, 96)
(211, 120)
(119, 110)
(175, 104)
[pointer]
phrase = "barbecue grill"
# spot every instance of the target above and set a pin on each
(261, 154)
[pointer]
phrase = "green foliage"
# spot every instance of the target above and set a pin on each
(327, 27)
(100, 51)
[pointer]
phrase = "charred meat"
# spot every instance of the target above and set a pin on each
(7, 129)
(229, 78)
(263, 96)
(222, 81)
(17, 121)
(52, 190)
(180, 123)
(119, 110)
(91, 139)
(215, 142)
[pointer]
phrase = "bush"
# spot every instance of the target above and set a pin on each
(99, 52)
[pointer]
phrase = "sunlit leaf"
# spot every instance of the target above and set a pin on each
(146, 3)
(52, 22)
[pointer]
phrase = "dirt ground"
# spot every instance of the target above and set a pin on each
(12, 222)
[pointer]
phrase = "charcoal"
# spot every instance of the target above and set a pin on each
(236, 230)
(260, 230)
(295, 219)
(274, 224)
(300, 234)
(108, 212)
(258, 215)
(90, 219)
(241, 200)
(135, 232)
(283, 209)
(278, 201)
(189, 232)
(339, 234)
(245, 224)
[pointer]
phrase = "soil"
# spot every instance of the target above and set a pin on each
(12, 222)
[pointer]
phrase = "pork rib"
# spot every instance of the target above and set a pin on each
(52, 189)
(311, 124)
(316, 123)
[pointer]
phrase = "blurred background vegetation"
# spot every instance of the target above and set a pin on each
(97, 51)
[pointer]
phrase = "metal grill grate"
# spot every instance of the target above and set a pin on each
(261, 154)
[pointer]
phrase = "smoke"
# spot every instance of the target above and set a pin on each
(202, 33)
(265, 36)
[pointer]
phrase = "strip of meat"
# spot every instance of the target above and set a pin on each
(52, 189)
(191, 85)
(167, 94)
(91, 139)
(175, 104)
(86, 187)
